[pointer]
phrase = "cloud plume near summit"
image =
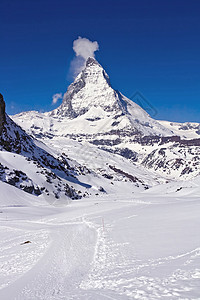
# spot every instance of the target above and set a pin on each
(83, 49)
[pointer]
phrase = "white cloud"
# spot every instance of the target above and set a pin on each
(83, 48)
(56, 97)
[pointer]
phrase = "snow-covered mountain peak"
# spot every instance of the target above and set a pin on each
(91, 61)
(91, 107)
(91, 98)
(93, 73)
(90, 89)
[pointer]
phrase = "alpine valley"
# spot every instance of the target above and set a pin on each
(98, 200)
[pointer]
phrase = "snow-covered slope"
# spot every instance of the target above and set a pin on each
(31, 166)
(39, 168)
(122, 247)
(187, 130)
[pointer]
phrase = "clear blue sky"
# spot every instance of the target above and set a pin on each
(147, 46)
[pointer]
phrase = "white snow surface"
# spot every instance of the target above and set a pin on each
(186, 130)
(124, 246)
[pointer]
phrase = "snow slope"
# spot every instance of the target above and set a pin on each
(117, 247)
(187, 130)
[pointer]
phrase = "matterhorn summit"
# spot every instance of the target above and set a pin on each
(91, 89)
(91, 107)
(91, 98)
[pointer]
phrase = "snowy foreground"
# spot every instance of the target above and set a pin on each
(109, 247)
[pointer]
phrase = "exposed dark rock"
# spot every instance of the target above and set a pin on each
(107, 176)
(91, 62)
(129, 176)
(106, 142)
(24, 243)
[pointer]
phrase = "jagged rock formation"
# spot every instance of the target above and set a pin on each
(91, 88)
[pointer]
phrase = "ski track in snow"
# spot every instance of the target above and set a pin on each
(60, 268)
(78, 257)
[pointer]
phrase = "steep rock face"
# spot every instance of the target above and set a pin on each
(2, 113)
(91, 88)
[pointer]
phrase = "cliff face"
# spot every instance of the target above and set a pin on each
(2, 112)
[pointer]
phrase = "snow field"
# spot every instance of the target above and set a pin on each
(112, 247)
